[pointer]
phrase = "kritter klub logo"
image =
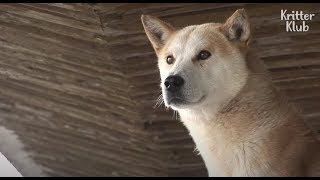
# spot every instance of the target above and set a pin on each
(296, 21)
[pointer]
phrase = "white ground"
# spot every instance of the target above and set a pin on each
(7, 169)
(14, 158)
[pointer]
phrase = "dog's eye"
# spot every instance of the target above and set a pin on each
(170, 59)
(203, 55)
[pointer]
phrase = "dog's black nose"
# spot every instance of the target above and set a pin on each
(173, 83)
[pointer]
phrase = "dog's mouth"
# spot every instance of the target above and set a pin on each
(179, 102)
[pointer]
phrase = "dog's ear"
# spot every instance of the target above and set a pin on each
(157, 31)
(237, 27)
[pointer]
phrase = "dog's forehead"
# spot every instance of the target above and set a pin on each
(194, 36)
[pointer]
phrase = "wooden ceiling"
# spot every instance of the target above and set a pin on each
(79, 83)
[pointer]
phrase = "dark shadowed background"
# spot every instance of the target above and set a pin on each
(78, 83)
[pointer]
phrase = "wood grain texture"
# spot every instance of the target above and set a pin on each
(79, 83)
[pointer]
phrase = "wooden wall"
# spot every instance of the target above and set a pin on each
(78, 83)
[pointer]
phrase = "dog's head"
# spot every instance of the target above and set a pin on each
(200, 64)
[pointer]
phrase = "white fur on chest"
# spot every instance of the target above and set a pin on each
(221, 157)
(203, 138)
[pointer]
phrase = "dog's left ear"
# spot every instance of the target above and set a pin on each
(237, 27)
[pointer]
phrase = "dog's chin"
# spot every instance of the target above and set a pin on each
(177, 103)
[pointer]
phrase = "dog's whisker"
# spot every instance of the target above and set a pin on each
(159, 102)
(173, 115)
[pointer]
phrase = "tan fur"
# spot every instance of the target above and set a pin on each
(245, 126)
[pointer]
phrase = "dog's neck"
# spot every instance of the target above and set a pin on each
(237, 134)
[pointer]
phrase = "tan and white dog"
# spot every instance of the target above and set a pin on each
(241, 124)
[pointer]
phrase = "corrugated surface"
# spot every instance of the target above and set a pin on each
(79, 82)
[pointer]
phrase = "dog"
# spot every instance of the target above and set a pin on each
(241, 124)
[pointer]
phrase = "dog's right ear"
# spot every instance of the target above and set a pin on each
(157, 31)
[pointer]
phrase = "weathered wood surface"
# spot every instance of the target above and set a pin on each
(79, 82)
